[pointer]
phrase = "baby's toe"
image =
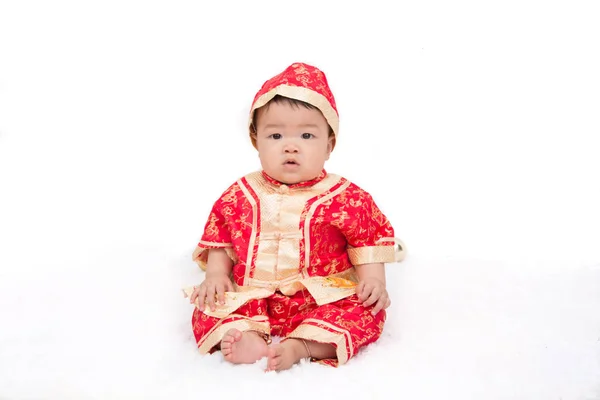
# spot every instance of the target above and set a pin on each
(232, 335)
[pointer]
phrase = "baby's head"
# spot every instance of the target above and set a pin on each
(294, 123)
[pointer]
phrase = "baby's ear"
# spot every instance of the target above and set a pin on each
(253, 139)
(330, 144)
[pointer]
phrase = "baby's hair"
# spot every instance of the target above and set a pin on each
(292, 102)
(289, 101)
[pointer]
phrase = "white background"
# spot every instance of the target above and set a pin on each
(474, 126)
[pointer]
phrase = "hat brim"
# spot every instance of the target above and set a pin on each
(303, 94)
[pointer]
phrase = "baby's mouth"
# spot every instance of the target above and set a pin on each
(290, 162)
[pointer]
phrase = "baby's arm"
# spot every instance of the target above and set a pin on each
(371, 286)
(218, 263)
(216, 281)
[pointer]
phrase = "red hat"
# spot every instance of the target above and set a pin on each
(301, 82)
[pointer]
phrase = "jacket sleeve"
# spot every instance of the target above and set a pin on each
(369, 234)
(216, 234)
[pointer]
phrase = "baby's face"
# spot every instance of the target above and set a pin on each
(293, 142)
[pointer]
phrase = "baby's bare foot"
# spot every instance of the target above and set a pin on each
(284, 355)
(243, 347)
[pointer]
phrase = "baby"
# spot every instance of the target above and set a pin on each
(291, 250)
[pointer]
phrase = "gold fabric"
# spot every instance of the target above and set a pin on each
(377, 254)
(278, 255)
(275, 264)
(200, 254)
(399, 249)
(233, 300)
(332, 334)
(370, 254)
(327, 289)
(258, 323)
(324, 289)
(254, 233)
(304, 94)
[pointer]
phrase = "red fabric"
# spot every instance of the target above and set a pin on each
(286, 313)
(275, 182)
(303, 75)
(350, 218)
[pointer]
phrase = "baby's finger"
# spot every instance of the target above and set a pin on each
(201, 297)
(229, 286)
(366, 292)
(221, 294)
(387, 303)
(375, 295)
(380, 305)
(210, 297)
(359, 288)
(194, 295)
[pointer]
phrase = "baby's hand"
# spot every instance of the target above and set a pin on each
(372, 291)
(213, 286)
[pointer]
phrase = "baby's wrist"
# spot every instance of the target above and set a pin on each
(216, 274)
(376, 279)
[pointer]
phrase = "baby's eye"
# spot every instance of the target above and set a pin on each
(275, 136)
(307, 136)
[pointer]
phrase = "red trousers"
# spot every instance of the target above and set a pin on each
(345, 324)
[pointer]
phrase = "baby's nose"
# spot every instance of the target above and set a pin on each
(290, 148)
